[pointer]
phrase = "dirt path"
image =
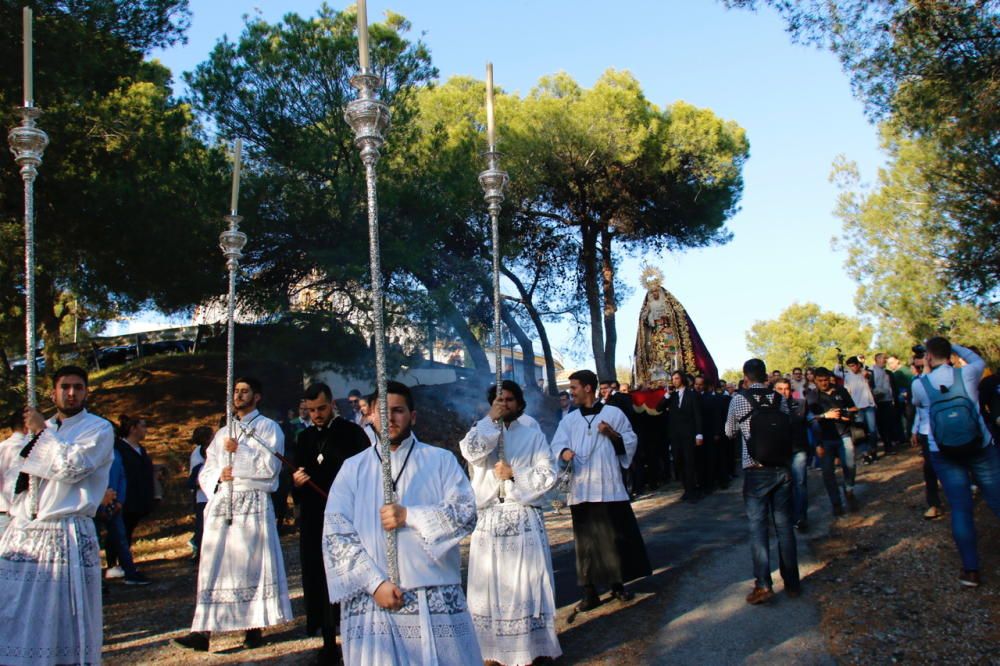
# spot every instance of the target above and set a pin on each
(879, 588)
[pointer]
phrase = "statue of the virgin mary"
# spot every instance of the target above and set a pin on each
(667, 339)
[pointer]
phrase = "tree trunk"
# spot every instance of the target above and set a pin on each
(543, 336)
(461, 326)
(610, 305)
(592, 292)
(527, 347)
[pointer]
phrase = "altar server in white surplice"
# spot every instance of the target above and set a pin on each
(598, 441)
(50, 561)
(9, 450)
(241, 572)
(511, 590)
(424, 620)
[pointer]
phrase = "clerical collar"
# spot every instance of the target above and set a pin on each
(590, 411)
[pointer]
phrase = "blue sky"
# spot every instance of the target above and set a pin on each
(794, 101)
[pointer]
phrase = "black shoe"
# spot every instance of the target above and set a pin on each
(838, 511)
(619, 592)
(196, 641)
(588, 603)
(852, 503)
(253, 639)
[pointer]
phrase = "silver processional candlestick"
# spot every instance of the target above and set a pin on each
(493, 181)
(28, 143)
(369, 118)
(231, 241)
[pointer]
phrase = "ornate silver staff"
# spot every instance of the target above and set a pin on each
(232, 242)
(27, 143)
(493, 182)
(369, 118)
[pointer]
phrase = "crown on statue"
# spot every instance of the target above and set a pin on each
(651, 277)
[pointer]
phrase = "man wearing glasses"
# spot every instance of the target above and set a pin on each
(357, 415)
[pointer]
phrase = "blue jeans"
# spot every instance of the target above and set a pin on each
(956, 477)
(767, 494)
(843, 449)
(117, 542)
(868, 414)
(800, 489)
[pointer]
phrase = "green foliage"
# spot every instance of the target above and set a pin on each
(805, 335)
(612, 168)
(931, 69)
(900, 253)
(128, 197)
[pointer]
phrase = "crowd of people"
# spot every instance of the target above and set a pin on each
(400, 599)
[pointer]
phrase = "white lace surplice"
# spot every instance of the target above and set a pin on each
(597, 475)
(241, 577)
(511, 589)
(50, 566)
(434, 626)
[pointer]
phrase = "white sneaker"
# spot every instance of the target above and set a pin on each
(114, 572)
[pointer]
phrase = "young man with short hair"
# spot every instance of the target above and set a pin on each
(422, 618)
(767, 489)
(49, 555)
(598, 441)
(320, 453)
(241, 573)
(511, 588)
(958, 472)
(832, 408)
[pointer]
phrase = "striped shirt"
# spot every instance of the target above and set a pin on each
(738, 424)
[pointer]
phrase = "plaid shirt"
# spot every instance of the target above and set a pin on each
(738, 424)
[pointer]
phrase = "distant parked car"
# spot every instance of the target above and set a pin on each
(19, 368)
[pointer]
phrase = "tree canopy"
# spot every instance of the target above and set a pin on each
(931, 68)
(128, 197)
(806, 335)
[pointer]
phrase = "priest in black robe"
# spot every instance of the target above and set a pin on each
(321, 449)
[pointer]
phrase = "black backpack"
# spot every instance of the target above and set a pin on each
(770, 441)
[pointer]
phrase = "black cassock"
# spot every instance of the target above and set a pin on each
(321, 451)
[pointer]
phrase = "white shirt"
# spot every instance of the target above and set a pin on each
(596, 467)
(857, 386)
(944, 375)
(255, 467)
(197, 459)
(440, 512)
(525, 450)
(9, 449)
(70, 462)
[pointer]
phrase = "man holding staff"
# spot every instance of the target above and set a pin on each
(422, 618)
(241, 573)
(50, 560)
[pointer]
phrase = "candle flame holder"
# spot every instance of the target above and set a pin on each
(27, 143)
(369, 118)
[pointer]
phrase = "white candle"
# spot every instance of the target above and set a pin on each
(237, 158)
(29, 87)
(490, 124)
(363, 35)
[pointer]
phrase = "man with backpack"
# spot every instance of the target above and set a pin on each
(960, 446)
(761, 417)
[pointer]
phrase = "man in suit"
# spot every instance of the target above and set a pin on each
(684, 429)
(611, 396)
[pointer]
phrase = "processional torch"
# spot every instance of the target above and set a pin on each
(493, 182)
(231, 242)
(27, 143)
(369, 118)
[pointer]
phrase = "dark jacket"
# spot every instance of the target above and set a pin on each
(684, 421)
(138, 478)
